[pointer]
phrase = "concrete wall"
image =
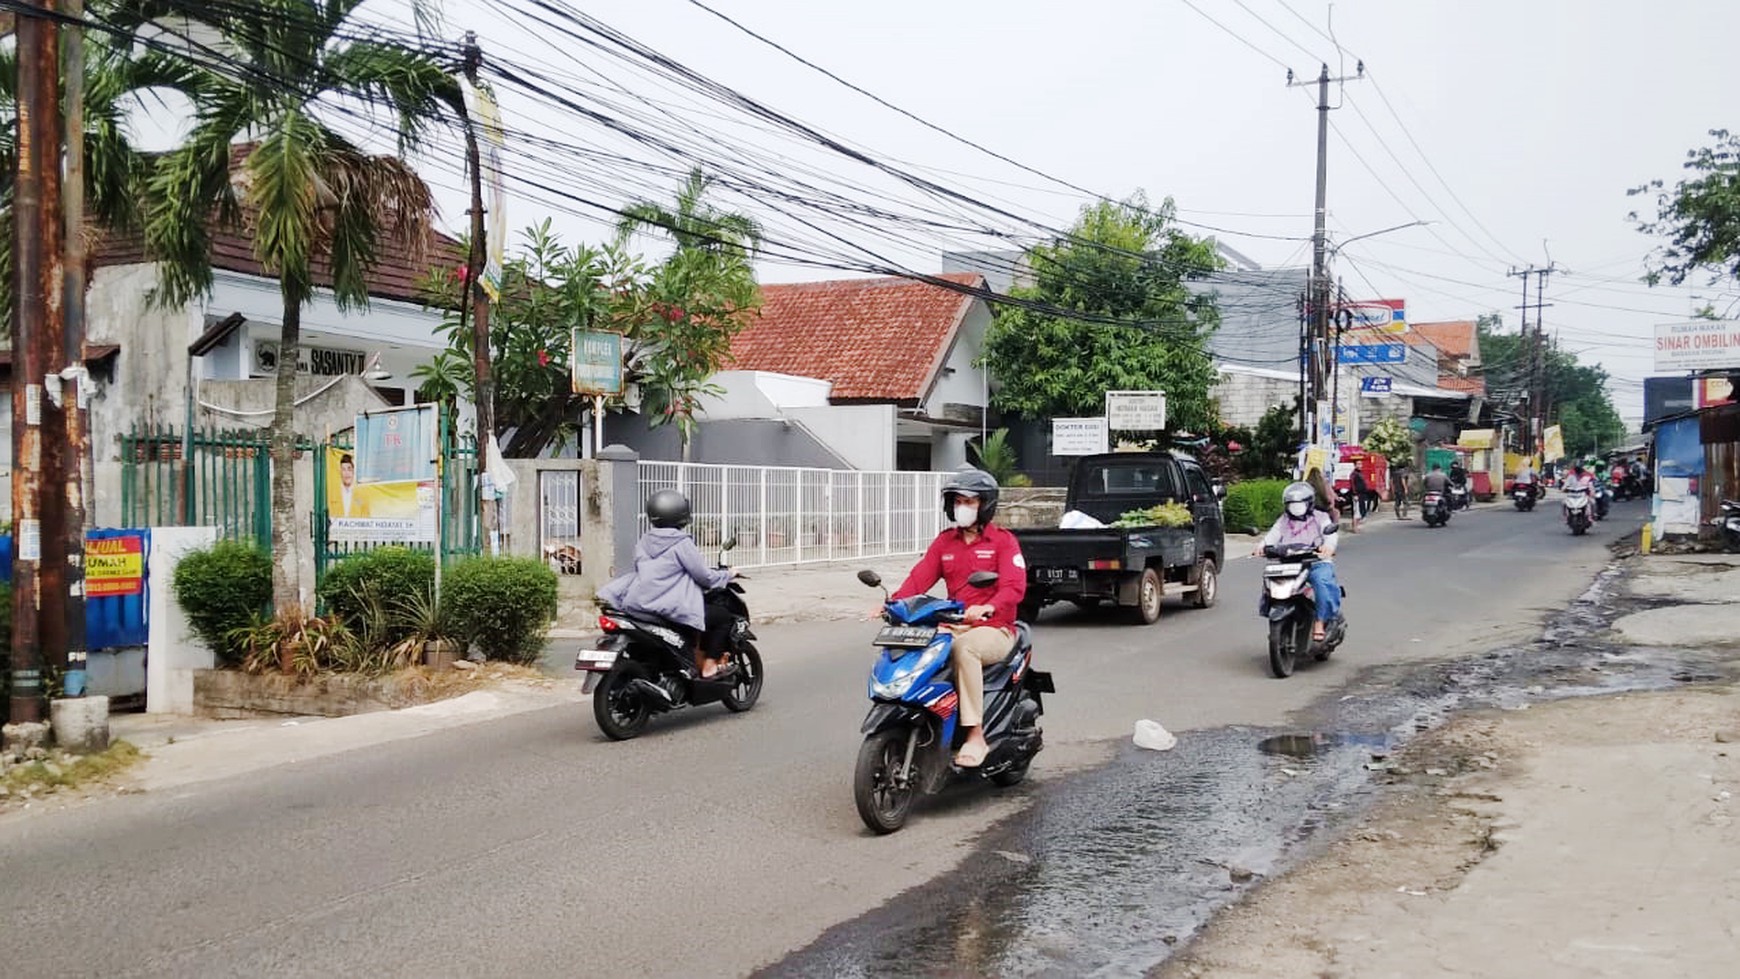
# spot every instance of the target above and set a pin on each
(741, 441)
(174, 652)
(960, 381)
(249, 404)
(1244, 398)
(860, 436)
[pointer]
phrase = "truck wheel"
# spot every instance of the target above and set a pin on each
(1207, 584)
(1150, 592)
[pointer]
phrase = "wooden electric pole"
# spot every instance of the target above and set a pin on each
(483, 388)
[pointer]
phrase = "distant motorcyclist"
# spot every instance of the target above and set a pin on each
(1458, 475)
(973, 543)
(1577, 479)
(1301, 522)
(1436, 481)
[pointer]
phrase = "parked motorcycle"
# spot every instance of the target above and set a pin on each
(1435, 509)
(911, 734)
(1523, 495)
(1290, 604)
(644, 666)
(1729, 521)
(1577, 511)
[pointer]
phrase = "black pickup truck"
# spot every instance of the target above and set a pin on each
(1132, 567)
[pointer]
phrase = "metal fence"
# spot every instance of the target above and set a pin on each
(802, 516)
(225, 481)
(459, 525)
(559, 520)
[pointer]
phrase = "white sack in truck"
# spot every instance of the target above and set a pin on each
(1077, 520)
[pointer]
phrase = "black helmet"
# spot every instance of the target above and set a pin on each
(977, 482)
(668, 508)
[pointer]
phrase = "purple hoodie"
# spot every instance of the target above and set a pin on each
(667, 581)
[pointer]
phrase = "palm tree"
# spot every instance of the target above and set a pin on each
(321, 210)
(693, 223)
(115, 171)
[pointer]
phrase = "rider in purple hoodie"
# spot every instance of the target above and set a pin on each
(669, 581)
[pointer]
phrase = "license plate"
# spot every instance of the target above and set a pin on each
(1056, 575)
(905, 636)
(1281, 569)
(595, 660)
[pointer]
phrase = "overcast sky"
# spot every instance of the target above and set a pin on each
(1536, 114)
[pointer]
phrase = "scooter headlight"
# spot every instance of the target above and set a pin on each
(901, 682)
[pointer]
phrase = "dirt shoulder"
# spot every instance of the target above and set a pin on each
(1592, 837)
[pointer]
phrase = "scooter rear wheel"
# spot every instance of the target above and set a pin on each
(882, 801)
(620, 711)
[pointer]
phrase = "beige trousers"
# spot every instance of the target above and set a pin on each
(974, 650)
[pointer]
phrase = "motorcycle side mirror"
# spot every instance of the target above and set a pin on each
(730, 543)
(982, 579)
(870, 578)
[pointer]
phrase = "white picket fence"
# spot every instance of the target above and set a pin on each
(783, 516)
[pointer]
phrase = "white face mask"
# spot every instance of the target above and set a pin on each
(965, 515)
(1298, 510)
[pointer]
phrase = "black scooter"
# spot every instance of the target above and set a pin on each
(1523, 495)
(644, 666)
(1290, 604)
(1729, 521)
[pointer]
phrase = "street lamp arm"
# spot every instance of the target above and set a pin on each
(1373, 234)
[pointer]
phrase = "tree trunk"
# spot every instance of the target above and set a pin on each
(286, 561)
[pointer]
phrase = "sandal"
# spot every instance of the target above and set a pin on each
(1319, 632)
(972, 756)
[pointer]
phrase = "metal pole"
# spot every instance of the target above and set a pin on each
(35, 253)
(483, 386)
(78, 391)
(1320, 256)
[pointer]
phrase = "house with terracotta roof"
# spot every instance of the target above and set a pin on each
(1458, 347)
(873, 374)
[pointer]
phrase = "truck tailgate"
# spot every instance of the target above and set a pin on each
(1070, 548)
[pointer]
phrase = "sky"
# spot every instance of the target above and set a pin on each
(1514, 126)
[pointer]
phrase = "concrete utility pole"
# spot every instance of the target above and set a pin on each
(1318, 347)
(1528, 351)
(36, 255)
(75, 395)
(1545, 411)
(483, 390)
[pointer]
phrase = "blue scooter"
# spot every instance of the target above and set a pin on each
(911, 734)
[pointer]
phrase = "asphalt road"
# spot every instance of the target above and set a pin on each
(530, 846)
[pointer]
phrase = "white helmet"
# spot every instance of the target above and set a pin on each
(1297, 499)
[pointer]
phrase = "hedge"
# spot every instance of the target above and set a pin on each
(1253, 505)
(504, 606)
(221, 589)
(390, 575)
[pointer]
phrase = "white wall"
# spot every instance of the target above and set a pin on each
(863, 435)
(961, 382)
(760, 394)
(174, 652)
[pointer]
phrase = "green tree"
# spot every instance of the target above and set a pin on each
(700, 297)
(548, 289)
(1110, 311)
(261, 156)
(1699, 216)
(1576, 393)
(115, 79)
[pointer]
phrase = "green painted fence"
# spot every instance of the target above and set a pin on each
(220, 478)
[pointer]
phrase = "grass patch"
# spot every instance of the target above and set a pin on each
(421, 685)
(79, 771)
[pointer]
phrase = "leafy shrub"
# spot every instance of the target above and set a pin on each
(359, 588)
(1251, 506)
(300, 645)
(503, 605)
(222, 589)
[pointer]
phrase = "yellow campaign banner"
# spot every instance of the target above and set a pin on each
(1475, 438)
(114, 566)
(399, 512)
(1553, 444)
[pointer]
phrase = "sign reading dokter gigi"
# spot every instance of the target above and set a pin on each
(1697, 345)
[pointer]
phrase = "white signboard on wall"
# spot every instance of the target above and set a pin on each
(1697, 345)
(1136, 411)
(1079, 436)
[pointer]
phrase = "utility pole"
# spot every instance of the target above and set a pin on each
(1317, 349)
(38, 287)
(483, 388)
(1544, 362)
(76, 393)
(1528, 351)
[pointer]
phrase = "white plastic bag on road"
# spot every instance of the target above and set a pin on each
(1152, 736)
(1077, 520)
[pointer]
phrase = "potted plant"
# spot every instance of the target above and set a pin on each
(419, 618)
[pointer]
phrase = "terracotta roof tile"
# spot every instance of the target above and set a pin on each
(875, 339)
(1453, 338)
(1466, 385)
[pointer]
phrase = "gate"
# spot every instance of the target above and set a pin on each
(211, 477)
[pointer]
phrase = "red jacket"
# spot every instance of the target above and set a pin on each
(951, 559)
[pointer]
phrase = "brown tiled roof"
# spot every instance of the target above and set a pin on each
(875, 339)
(1453, 338)
(1467, 385)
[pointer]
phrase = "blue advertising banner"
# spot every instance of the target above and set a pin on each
(1374, 385)
(1372, 353)
(396, 446)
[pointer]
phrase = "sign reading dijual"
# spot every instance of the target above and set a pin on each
(1697, 345)
(115, 566)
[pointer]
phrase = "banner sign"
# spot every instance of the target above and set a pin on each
(386, 489)
(1553, 444)
(1697, 345)
(1079, 437)
(1381, 315)
(115, 566)
(481, 107)
(1371, 353)
(595, 365)
(1372, 387)
(1136, 411)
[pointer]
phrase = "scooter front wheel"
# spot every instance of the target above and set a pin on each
(1283, 646)
(882, 791)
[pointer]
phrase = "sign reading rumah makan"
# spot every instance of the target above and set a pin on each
(1697, 345)
(114, 566)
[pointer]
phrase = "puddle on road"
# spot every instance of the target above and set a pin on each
(1109, 870)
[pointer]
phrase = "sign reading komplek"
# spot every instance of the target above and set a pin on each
(1697, 345)
(114, 566)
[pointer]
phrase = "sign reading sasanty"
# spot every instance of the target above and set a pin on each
(1697, 345)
